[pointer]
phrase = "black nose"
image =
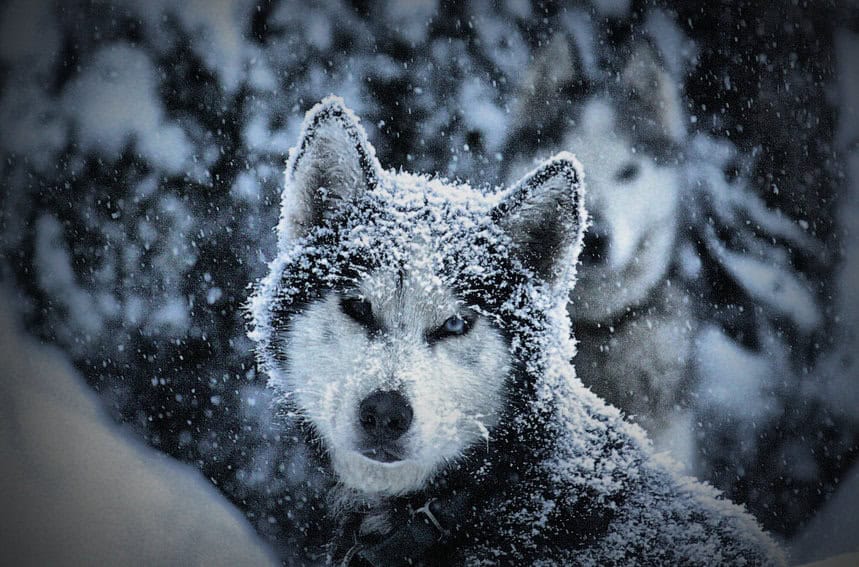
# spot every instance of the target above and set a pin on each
(385, 416)
(595, 247)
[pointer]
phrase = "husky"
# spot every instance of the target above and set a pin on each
(416, 333)
(630, 310)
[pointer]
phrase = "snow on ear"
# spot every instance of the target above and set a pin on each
(329, 167)
(544, 216)
(656, 107)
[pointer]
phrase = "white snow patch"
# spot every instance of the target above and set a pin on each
(77, 489)
(216, 27)
(483, 115)
(613, 8)
(56, 277)
(675, 47)
(519, 8)
(174, 313)
(246, 187)
(771, 285)
(115, 102)
(410, 19)
(213, 295)
(31, 124)
(732, 377)
(580, 23)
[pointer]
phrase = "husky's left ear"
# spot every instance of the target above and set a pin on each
(655, 104)
(331, 165)
(544, 216)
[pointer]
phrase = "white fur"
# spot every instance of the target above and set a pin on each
(328, 169)
(329, 363)
(455, 386)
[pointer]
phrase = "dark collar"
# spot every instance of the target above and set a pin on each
(429, 526)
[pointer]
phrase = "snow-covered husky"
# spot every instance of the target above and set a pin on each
(417, 331)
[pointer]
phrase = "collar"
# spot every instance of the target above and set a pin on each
(428, 526)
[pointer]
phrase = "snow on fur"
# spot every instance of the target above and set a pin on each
(563, 478)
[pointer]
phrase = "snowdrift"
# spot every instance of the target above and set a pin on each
(78, 490)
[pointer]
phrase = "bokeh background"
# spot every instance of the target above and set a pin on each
(143, 147)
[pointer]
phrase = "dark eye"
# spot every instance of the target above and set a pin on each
(627, 172)
(455, 326)
(359, 310)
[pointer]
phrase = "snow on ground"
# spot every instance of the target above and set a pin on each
(77, 489)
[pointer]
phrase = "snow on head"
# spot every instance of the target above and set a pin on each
(421, 255)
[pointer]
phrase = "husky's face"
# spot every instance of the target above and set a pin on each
(389, 357)
(397, 376)
(633, 205)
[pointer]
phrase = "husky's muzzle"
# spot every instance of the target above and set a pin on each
(384, 418)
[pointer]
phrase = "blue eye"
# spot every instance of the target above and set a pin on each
(455, 325)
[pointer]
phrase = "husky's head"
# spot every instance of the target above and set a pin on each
(628, 137)
(626, 129)
(387, 317)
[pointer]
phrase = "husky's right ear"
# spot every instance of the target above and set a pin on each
(544, 216)
(331, 165)
(655, 103)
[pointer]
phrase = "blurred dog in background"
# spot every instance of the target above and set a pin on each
(632, 318)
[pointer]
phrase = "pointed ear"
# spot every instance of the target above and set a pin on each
(332, 164)
(541, 94)
(554, 66)
(544, 216)
(656, 107)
